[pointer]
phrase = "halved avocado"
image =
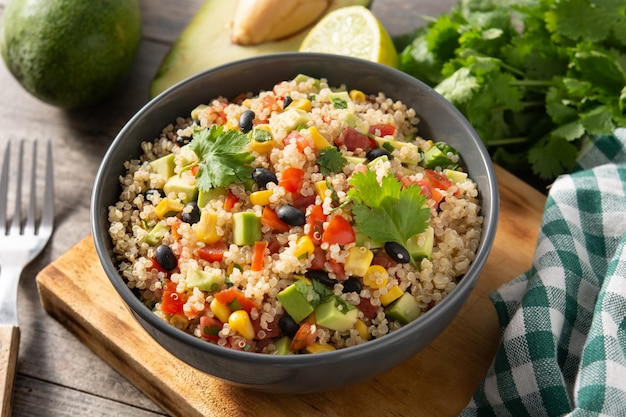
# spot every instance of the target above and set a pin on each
(206, 43)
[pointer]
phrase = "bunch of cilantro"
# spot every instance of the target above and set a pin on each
(534, 77)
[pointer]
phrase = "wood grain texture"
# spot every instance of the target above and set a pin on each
(9, 348)
(72, 286)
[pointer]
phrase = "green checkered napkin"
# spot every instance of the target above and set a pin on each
(563, 322)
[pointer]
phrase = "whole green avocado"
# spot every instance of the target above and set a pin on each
(70, 53)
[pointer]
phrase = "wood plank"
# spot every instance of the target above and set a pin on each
(454, 363)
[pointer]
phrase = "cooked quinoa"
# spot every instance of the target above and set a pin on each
(265, 242)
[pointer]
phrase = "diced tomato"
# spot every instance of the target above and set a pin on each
(235, 299)
(258, 256)
(194, 169)
(302, 202)
(315, 219)
(381, 258)
(337, 269)
(271, 332)
(270, 219)
(319, 258)
(210, 327)
(230, 201)
(305, 336)
(339, 230)
(369, 311)
(296, 137)
(239, 343)
(291, 179)
(437, 180)
(213, 252)
(172, 302)
(382, 130)
(274, 246)
(156, 265)
(353, 140)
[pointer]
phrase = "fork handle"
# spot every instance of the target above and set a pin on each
(9, 347)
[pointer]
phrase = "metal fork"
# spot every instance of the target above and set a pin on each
(21, 239)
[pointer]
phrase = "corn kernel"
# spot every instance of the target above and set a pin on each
(261, 198)
(357, 96)
(358, 261)
(207, 228)
(195, 113)
(304, 247)
(319, 141)
(362, 329)
(376, 276)
(390, 296)
(300, 103)
(221, 311)
(168, 207)
(319, 348)
(262, 146)
(320, 188)
(239, 321)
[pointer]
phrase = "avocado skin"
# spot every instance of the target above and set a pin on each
(70, 53)
(206, 43)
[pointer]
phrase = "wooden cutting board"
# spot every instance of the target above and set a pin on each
(438, 381)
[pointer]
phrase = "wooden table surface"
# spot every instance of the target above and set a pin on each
(57, 375)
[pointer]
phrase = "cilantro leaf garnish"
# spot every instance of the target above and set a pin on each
(385, 211)
(331, 160)
(222, 157)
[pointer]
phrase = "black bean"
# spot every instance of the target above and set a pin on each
(245, 121)
(165, 257)
(397, 252)
(183, 140)
(192, 215)
(352, 284)
(377, 152)
(287, 101)
(288, 326)
(291, 215)
(321, 276)
(263, 176)
(154, 192)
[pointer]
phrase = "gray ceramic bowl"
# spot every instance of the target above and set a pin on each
(298, 373)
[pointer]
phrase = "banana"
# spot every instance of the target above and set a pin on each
(258, 21)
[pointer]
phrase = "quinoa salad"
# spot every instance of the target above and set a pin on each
(302, 219)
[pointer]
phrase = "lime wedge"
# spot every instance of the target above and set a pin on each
(353, 31)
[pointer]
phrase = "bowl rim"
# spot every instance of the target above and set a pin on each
(404, 334)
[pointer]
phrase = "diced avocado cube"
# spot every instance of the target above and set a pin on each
(154, 236)
(182, 185)
(195, 113)
(246, 228)
(204, 196)
(404, 310)
(455, 176)
(434, 157)
(363, 240)
(421, 245)
(164, 166)
(336, 314)
(291, 119)
(339, 99)
(204, 280)
(282, 346)
(302, 78)
(355, 160)
(295, 303)
(391, 145)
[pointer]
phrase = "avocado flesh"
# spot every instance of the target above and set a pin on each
(206, 43)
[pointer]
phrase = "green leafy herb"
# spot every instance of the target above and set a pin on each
(385, 211)
(222, 158)
(339, 103)
(315, 293)
(331, 160)
(534, 77)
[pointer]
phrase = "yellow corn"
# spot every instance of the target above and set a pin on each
(221, 311)
(300, 103)
(362, 329)
(319, 141)
(261, 198)
(358, 261)
(357, 96)
(195, 113)
(263, 146)
(239, 321)
(319, 348)
(304, 247)
(320, 188)
(390, 296)
(207, 228)
(168, 207)
(376, 276)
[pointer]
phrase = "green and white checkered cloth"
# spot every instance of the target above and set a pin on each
(563, 323)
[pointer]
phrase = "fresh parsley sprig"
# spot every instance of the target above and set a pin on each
(331, 160)
(222, 157)
(386, 211)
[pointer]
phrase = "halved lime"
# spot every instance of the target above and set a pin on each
(353, 31)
